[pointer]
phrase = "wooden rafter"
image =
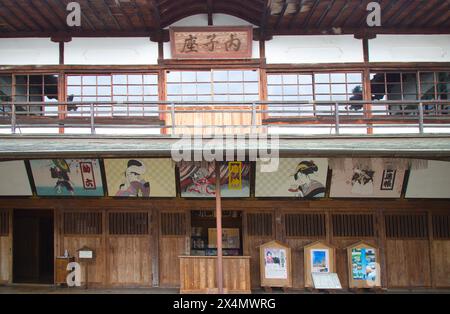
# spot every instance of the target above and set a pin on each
(281, 15)
(295, 14)
(210, 10)
(325, 13)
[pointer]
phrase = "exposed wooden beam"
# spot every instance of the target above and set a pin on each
(7, 16)
(325, 13)
(264, 16)
(43, 13)
(310, 14)
(210, 10)
(280, 17)
(339, 13)
(112, 17)
(444, 7)
(295, 14)
(22, 16)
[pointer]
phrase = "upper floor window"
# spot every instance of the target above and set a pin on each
(336, 86)
(29, 88)
(214, 85)
(114, 88)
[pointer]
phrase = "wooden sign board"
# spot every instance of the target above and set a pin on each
(211, 42)
(275, 265)
(319, 258)
(363, 266)
(86, 254)
(328, 281)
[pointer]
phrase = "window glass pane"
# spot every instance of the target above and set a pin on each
(89, 91)
(305, 98)
(251, 76)
(235, 97)
(72, 80)
(249, 97)
(174, 89)
(151, 90)
(322, 78)
(290, 98)
(204, 88)
(5, 80)
(220, 76)
(251, 88)
(119, 90)
(173, 77)
(338, 89)
(150, 98)
(203, 76)
(290, 79)
(354, 77)
(290, 90)
(21, 79)
(305, 79)
(204, 98)
(220, 88)
(151, 79)
(89, 80)
(322, 89)
(104, 91)
(35, 79)
(274, 79)
(274, 90)
(323, 97)
(188, 76)
(189, 89)
(235, 76)
(134, 79)
(104, 80)
(234, 88)
(119, 79)
(338, 77)
(135, 90)
(306, 89)
(220, 97)
(357, 89)
(51, 79)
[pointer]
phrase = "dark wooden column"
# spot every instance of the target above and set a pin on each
(219, 230)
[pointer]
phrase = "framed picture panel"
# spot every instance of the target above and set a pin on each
(275, 265)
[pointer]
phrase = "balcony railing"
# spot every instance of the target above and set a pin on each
(290, 117)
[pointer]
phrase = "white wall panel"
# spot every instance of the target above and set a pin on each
(111, 51)
(28, 51)
(410, 48)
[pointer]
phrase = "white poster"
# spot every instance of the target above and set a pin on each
(14, 179)
(432, 182)
(275, 263)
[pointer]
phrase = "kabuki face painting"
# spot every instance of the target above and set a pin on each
(133, 184)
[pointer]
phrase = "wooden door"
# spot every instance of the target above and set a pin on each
(407, 251)
(5, 246)
(129, 249)
(259, 228)
(173, 239)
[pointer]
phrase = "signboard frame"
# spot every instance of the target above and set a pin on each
(275, 282)
(245, 53)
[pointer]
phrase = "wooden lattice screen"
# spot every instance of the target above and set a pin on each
(82, 223)
(353, 225)
(128, 223)
(406, 226)
(305, 225)
(441, 226)
(259, 224)
(4, 223)
(173, 224)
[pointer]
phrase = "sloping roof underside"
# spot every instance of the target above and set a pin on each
(32, 18)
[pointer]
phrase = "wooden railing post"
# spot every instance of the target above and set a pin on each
(92, 119)
(13, 118)
(172, 116)
(421, 128)
(336, 117)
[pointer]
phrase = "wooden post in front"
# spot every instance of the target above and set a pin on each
(219, 230)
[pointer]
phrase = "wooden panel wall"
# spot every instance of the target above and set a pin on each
(5, 246)
(259, 228)
(174, 242)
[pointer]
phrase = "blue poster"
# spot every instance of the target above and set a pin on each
(364, 264)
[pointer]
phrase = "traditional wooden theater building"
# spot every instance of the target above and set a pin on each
(90, 114)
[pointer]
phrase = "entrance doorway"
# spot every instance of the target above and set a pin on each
(33, 246)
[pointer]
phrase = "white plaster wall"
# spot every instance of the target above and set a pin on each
(410, 48)
(314, 49)
(111, 51)
(28, 51)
